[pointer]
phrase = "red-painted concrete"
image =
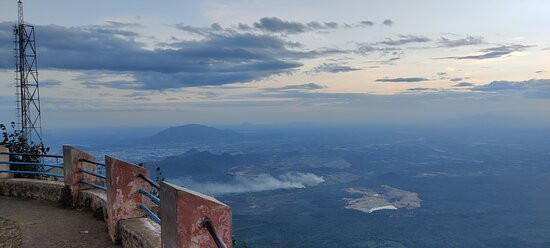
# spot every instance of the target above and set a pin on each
(71, 171)
(123, 198)
(182, 213)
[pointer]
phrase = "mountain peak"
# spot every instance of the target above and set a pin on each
(193, 133)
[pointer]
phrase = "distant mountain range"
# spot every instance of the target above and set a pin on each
(202, 165)
(193, 133)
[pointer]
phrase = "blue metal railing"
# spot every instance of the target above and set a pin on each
(30, 154)
(207, 223)
(151, 196)
(94, 185)
(32, 173)
(91, 162)
(32, 163)
(153, 183)
(93, 173)
(150, 213)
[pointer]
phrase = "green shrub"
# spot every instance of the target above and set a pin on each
(16, 142)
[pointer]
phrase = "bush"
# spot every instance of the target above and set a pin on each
(16, 142)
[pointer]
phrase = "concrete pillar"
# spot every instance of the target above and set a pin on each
(182, 214)
(71, 170)
(123, 197)
(5, 158)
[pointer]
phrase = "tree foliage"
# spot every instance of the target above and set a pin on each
(15, 141)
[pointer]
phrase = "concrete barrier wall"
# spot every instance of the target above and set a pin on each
(123, 197)
(182, 211)
(137, 232)
(31, 188)
(5, 158)
(71, 170)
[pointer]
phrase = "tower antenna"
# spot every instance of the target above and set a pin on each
(26, 80)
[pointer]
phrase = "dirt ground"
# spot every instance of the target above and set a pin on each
(34, 223)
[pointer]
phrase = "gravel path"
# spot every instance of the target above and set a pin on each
(44, 224)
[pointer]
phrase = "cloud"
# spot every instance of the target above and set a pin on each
(333, 68)
(533, 88)
(468, 41)
(49, 83)
(463, 84)
(456, 79)
(367, 48)
(421, 89)
(221, 57)
(116, 24)
(404, 39)
(277, 25)
(540, 71)
(367, 23)
(387, 22)
(493, 52)
(257, 183)
(274, 24)
(402, 80)
(501, 85)
(299, 87)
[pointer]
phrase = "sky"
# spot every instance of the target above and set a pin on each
(144, 63)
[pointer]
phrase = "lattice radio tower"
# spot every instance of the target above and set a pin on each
(26, 80)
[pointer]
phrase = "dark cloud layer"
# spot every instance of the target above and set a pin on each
(501, 85)
(533, 88)
(274, 24)
(277, 25)
(402, 80)
(220, 58)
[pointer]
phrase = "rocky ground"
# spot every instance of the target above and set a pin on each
(34, 223)
(10, 235)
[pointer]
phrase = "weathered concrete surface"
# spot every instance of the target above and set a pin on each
(72, 164)
(44, 224)
(31, 188)
(182, 213)
(95, 200)
(10, 235)
(123, 197)
(5, 158)
(140, 233)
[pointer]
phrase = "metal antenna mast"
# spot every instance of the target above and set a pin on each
(26, 80)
